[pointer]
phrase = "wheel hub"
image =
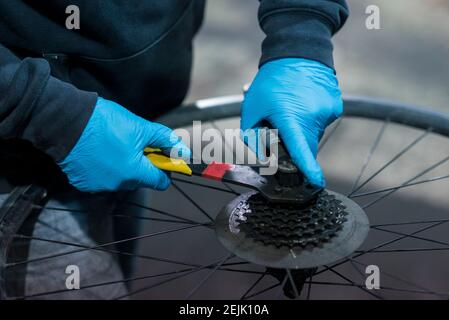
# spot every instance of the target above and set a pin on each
(289, 236)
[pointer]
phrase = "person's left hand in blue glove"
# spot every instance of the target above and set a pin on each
(300, 98)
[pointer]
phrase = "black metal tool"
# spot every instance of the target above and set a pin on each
(287, 185)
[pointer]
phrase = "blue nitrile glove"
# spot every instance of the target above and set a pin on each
(300, 98)
(109, 154)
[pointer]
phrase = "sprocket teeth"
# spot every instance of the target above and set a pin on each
(289, 226)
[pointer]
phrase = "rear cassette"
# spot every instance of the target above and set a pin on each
(287, 236)
(284, 225)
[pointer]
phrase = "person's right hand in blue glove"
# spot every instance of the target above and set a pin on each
(109, 154)
(300, 98)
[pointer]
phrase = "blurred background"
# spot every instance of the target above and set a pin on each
(407, 60)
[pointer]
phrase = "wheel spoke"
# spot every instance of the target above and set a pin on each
(203, 281)
(164, 213)
(263, 290)
(370, 154)
(192, 201)
(117, 215)
(227, 190)
(439, 163)
(397, 156)
(145, 236)
(361, 253)
(412, 236)
(398, 187)
(309, 287)
(422, 289)
(240, 271)
(134, 255)
(281, 288)
(168, 280)
(236, 263)
(102, 284)
(55, 229)
(293, 284)
(445, 295)
(407, 223)
(329, 135)
(253, 285)
(126, 216)
(396, 240)
(331, 269)
(409, 250)
(353, 264)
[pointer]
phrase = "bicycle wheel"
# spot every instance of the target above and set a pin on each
(391, 159)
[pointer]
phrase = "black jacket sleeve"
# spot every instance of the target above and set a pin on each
(300, 28)
(37, 107)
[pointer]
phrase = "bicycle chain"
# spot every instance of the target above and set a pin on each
(284, 225)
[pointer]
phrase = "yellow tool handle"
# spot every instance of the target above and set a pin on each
(163, 162)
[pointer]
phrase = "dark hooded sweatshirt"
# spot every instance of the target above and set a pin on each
(135, 52)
